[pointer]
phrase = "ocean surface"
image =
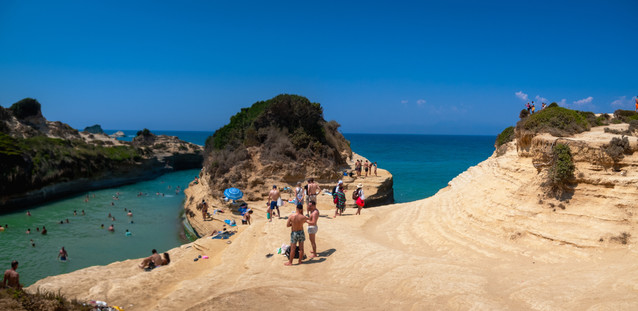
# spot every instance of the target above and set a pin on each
(421, 165)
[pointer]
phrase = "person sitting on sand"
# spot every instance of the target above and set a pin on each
(295, 222)
(155, 260)
(12, 277)
(166, 260)
(63, 255)
(246, 219)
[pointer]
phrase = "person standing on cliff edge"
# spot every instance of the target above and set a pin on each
(273, 196)
(636, 104)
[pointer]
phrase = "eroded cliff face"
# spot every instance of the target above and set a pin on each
(42, 160)
(598, 210)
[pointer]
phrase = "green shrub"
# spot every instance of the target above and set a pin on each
(145, 132)
(557, 121)
(25, 108)
(617, 148)
(523, 114)
(562, 169)
(552, 105)
(505, 136)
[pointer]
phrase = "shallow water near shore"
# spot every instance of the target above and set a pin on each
(156, 224)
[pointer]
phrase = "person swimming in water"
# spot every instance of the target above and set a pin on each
(63, 255)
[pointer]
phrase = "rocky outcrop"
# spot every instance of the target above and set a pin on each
(94, 129)
(42, 160)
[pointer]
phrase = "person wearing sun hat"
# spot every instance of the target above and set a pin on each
(359, 198)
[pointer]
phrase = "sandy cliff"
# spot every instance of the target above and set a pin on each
(491, 240)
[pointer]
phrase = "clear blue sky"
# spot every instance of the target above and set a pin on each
(433, 67)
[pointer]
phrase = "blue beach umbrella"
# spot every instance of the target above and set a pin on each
(233, 194)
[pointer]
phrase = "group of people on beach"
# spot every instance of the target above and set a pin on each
(308, 195)
(367, 166)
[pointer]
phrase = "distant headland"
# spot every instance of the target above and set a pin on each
(42, 160)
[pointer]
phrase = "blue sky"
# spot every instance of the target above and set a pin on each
(431, 67)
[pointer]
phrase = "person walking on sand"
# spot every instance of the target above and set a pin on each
(357, 167)
(313, 190)
(341, 200)
(274, 196)
(312, 226)
(359, 198)
(295, 222)
(12, 277)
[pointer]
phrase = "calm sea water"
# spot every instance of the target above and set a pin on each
(421, 165)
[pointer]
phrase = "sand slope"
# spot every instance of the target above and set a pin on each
(488, 241)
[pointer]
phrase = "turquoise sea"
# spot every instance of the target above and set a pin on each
(420, 164)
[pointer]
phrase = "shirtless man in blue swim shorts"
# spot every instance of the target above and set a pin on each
(297, 235)
(273, 196)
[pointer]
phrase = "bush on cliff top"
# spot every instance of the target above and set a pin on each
(557, 121)
(25, 108)
(505, 136)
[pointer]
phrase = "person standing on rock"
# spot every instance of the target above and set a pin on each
(359, 198)
(375, 168)
(273, 196)
(357, 167)
(313, 190)
(366, 167)
(297, 235)
(204, 209)
(312, 226)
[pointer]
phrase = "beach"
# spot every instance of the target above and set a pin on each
(483, 242)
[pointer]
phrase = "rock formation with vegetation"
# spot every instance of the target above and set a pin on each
(41, 160)
(282, 139)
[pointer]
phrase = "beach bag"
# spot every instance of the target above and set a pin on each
(360, 202)
(296, 252)
(355, 194)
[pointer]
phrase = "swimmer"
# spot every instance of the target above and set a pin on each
(44, 230)
(109, 216)
(37, 229)
(29, 231)
(132, 222)
(125, 209)
(102, 226)
(83, 214)
(63, 255)
(61, 222)
(130, 214)
(127, 233)
(112, 203)
(75, 213)
(111, 228)
(112, 218)
(32, 243)
(28, 213)
(67, 220)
